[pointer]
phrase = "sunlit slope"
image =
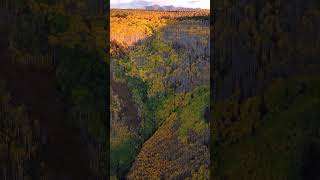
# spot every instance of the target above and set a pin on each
(179, 148)
(129, 26)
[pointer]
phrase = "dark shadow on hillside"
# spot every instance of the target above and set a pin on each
(196, 18)
(187, 44)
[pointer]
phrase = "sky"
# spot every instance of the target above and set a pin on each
(129, 4)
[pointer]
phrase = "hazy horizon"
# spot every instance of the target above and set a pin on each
(140, 4)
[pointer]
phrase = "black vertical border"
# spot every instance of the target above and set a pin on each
(108, 58)
(213, 12)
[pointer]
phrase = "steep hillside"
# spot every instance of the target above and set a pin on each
(167, 77)
(179, 147)
(141, 24)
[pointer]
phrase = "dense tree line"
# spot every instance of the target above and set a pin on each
(143, 23)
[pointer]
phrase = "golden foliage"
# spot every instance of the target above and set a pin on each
(129, 26)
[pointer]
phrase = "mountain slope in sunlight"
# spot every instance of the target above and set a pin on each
(179, 148)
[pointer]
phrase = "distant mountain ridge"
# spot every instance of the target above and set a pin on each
(168, 8)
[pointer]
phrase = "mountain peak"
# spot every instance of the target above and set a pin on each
(157, 7)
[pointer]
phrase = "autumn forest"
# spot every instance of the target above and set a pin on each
(160, 69)
(91, 92)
